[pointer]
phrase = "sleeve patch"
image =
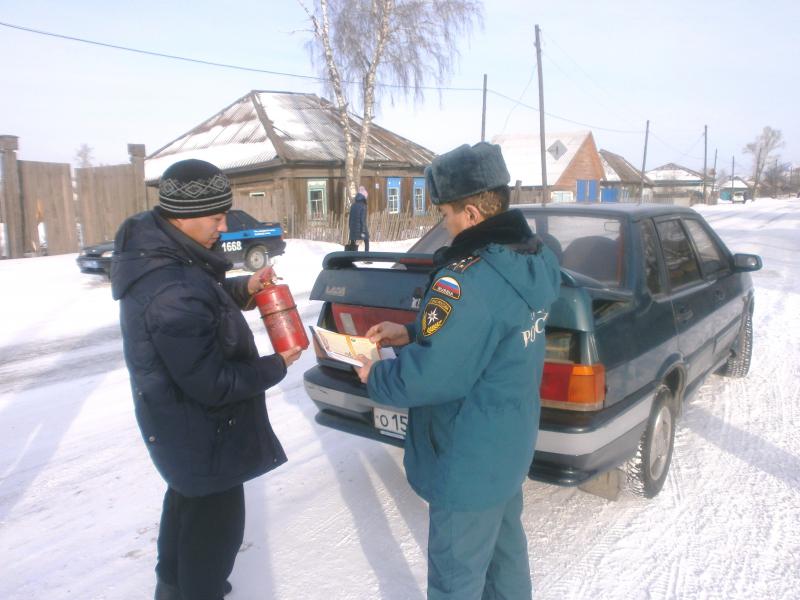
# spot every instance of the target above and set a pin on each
(465, 263)
(435, 315)
(447, 286)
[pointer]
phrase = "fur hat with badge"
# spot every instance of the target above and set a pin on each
(466, 171)
(193, 188)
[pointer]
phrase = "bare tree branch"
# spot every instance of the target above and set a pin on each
(762, 148)
(401, 43)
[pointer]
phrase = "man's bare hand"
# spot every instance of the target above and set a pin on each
(388, 334)
(363, 372)
(259, 279)
(291, 355)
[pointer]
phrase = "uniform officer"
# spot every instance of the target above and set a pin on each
(469, 372)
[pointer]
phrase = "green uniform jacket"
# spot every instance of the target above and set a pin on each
(471, 376)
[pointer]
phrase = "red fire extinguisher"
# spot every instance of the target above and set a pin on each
(279, 313)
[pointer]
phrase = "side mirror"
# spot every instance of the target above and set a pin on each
(746, 262)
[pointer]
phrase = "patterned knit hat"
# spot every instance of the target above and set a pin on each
(194, 188)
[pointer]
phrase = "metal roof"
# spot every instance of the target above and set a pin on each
(281, 128)
(522, 154)
(619, 169)
(674, 172)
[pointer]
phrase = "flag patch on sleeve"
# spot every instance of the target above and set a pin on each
(447, 286)
(436, 313)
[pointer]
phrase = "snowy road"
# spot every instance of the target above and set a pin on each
(80, 501)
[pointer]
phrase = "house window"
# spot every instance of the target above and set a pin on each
(560, 196)
(419, 195)
(393, 195)
(317, 201)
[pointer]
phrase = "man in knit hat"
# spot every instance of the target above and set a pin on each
(197, 379)
(469, 373)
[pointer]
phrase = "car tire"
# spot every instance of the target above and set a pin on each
(256, 258)
(647, 471)
(738, 363)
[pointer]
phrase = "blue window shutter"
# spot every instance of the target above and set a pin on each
(581, 189)
(593, 190)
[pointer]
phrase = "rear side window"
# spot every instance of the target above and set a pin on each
(652, 276)
(711, 257)
(678, 254)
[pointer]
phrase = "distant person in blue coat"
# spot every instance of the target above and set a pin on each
(358, 219)
(469, 371)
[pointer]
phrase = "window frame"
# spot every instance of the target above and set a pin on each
(418, 184)
(393, 184)
(317, 185)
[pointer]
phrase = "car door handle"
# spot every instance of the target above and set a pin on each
(684, 314)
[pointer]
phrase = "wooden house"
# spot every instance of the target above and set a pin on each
(574, 168)
(284, 154)
(678, 184)
(622, 181)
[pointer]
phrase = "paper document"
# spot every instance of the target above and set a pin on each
(345, 348)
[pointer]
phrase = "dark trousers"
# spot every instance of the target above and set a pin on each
(198, 540)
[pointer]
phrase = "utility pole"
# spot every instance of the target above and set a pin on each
(714, 181)
(705, 162)
(483, 112)
(644, 162)
(733, 165)
(545, 195)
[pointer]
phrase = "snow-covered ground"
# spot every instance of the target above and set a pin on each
(80, 500)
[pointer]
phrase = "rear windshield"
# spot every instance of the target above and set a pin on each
(591, 245)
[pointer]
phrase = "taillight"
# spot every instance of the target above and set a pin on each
(572, 386)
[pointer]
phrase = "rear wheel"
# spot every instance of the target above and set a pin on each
(256, 258)
(647, 471)
(739, 361)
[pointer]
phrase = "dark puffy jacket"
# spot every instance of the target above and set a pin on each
(358, 218)
(197, 379)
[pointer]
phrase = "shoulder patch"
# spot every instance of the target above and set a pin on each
(447, 286)
(435, 315)
(465, 263)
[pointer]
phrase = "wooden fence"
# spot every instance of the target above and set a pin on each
(43, 211)
(381, 226)
(46, 211)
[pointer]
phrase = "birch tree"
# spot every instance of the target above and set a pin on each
(367, 50)
(762, 148)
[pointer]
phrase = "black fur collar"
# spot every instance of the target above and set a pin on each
(507, 228)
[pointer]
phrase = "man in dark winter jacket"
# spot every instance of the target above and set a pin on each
(197, 379)
(469, 371)
(358, 219)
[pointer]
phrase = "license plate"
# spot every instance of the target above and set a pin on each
(390, 422)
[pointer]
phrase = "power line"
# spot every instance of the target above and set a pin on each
(516, 102)
(212, 63)
(553, 116)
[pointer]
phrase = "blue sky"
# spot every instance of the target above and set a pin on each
(610, 65)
